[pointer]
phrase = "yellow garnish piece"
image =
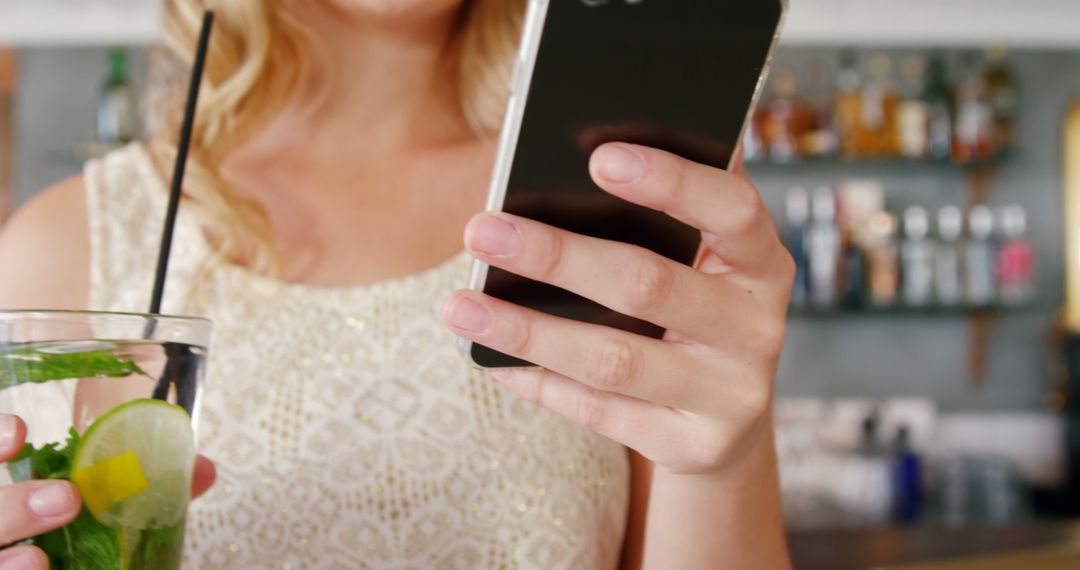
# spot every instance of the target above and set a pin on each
(104, 484)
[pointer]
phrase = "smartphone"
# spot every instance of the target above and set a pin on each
(678, 75)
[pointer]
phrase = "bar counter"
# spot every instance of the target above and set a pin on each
(863, 549)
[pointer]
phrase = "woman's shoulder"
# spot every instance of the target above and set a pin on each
(45, 251)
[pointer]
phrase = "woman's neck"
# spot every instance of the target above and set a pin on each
(387, 84)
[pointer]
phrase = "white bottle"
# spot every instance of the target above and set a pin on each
(823, 249)
(980, 258)
(798, 217)
(1015, 258)
(917, 257)
(948, 282)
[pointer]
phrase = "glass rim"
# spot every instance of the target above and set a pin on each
(6, 314)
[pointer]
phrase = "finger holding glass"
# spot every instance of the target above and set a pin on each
(30, 508)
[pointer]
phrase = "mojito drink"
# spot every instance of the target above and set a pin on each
(113, 414)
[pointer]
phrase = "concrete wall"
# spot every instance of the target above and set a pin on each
(56, 105)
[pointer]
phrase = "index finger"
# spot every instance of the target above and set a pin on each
(724, 206)
(12, 436)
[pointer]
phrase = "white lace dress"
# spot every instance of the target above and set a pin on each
(347, 431)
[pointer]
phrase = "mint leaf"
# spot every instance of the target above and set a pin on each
(45, 362)
(159, 548)
(51, 461)
(83, 543)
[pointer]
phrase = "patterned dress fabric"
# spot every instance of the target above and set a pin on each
(347, 430)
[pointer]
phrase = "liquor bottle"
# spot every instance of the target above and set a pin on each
(786, 118)
(938, 95)
(820, 138)
(848, 106)
(852, 270)
(948, 284)
(877, 120)
(973, 136)
(116, 108)
(883, 259)
(913, 111)
(980, 258)
(907, 495)
(798, 214)
(917, 256)
(1015, 258)
(823, 249)
(1001, 95)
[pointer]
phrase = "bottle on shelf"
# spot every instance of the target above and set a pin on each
(917, 257)
(852, 278)
(819, 139)
(877, 120)
(848, 105)
(116, 107)
(1001, 96)
(785, 119)
(798, 216)
(907, 492)
(823, 249)
(979, 258)
(913, 111)
(973, 137)
(938, 95)
(1015, 258)
(883, 259)
(948, 282)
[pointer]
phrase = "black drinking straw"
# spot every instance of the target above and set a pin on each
(181, 163)
(171, 374)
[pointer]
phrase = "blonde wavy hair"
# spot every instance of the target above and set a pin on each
(259, 60)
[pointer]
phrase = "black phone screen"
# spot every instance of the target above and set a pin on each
(679, 75)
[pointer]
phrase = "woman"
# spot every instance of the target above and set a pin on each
(341, 147)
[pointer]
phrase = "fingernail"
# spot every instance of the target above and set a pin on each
(23, 559)
(51, 500)
(468, 315)
(8, 428)
(493, 236)
(619, 164)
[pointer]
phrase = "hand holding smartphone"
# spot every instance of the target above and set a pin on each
(677, 75)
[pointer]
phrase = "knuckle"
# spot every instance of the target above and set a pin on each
(756, 402)
(771, 335)
(519, 335)
(652, 281)
(591, 413)
(536, 394)
(787, 267)
(615, 365)
(707, 450)
(548, 254)
(747, 211)
(676, 172)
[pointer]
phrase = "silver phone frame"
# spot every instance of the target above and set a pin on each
(520, 83)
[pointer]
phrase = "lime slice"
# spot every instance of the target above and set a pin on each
(134, 465)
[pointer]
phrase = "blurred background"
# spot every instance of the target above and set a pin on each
(915, 156)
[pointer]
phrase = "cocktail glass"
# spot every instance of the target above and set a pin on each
(111, 403)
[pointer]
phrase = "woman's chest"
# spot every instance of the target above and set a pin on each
(372, 424)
